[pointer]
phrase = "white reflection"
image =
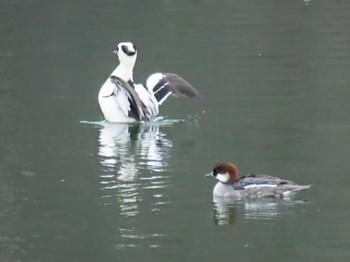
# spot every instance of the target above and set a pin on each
(225, 211)
(134, 160)
(228, 210)
(307, 2)
(131, 147)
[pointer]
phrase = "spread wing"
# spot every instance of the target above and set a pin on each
(135, 107)
(162, 85)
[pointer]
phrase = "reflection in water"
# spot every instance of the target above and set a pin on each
(227, 210)
(131, 147)
(133, 159)
(307, 2)
(225, 213)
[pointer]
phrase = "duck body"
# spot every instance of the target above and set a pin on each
(121, 100)
(251, 186)
(114, 104)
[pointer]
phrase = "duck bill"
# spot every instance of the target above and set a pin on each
(209, 175)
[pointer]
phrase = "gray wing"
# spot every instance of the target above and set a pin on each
(162, 85)
(252, 180)
(137, 108)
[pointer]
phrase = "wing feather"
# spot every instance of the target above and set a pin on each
(162, 85)
(137, 109)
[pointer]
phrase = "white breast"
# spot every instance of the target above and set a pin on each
(115, 107)
(224, 190)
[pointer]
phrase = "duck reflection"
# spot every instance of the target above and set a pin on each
(126, 151)
(131, 147)
(134, 160)
(227, 210)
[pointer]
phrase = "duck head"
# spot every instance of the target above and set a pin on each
(224, 172)
(127, 53)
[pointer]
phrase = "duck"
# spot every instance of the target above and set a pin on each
(250, 186)
(123, 101)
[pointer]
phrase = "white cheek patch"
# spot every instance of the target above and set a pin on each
(223, 177)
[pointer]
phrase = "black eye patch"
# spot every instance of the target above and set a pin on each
(215, 172)
(127, 51)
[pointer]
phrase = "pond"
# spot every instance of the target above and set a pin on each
(275, 79)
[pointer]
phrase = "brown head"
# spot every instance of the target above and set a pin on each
(225, 172)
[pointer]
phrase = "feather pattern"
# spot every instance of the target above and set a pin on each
(162, 85)
(252, 180)
(136, 108)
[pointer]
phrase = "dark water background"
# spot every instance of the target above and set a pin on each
(275, 78)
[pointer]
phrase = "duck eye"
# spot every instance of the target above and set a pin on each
(215, 172)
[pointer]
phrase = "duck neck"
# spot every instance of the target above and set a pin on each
(231, 180)
(124, 71)
(227, 183)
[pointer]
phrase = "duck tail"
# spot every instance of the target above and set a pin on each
(292, 189)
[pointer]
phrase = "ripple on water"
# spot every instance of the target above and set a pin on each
(133, 240)
(228, 211)
(160, 120)
(134, 161)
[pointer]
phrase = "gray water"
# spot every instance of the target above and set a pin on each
(275, 80)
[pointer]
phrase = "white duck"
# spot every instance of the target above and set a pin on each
(121, 100)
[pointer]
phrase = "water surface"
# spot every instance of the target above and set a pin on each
(274, 75)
